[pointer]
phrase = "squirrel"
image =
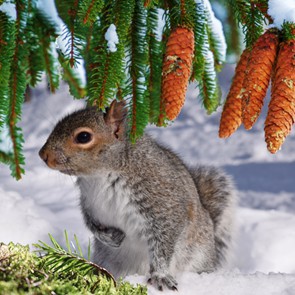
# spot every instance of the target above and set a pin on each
(149, 212)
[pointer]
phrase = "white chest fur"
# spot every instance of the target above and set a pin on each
(108, 200)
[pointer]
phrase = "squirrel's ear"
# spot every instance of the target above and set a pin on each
(115, 117)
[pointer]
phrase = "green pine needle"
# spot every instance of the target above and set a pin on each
(155, 59)
(77, 89)
(250, 18)
(137, 68)
(288, 29)
(59, 260)
(17, 88)
(7, 44)
(6, 158)
(89, 10)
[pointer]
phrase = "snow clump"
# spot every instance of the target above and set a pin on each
(112, 38)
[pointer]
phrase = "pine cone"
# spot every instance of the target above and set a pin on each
(258, 73)
(231, 117)
(281, 109)
(176, 70)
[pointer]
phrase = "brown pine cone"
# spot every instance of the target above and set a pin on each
(281, 109)
(176, 70)
(231, 117)
(258, 73)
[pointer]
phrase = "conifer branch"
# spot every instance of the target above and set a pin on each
(216, 39)
(250, 17)
(72, 14)
(17, 86)
(74, 32)
(204, 65)
(89, 10)
(118, 42)
(53, 82)
(98, 70)
(101, 99)
(155, 49)
(35, 56)
(6, 158)
(137, 71)
(75, 84)
(7, 38)
(59, 260)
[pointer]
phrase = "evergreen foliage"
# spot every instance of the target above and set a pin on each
(249, 15)
(155, 49)
(137, 71)
(56, 271)
(121, 45)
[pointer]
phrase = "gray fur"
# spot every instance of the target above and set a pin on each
(148, 212)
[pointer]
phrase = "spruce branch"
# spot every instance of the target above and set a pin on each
(106, 67)
(232, 33)
(17, 87)
(200, 32)
(288, 31)
(138, 72)
(45, 35)
(77, 89)
(216, 38)
(6, 158)
(7, 44)
(59, 260)
(155, 59)
(97, 68)
(204, 65)
(74, 32)
(35, 54)
(89, 10)
(250, 17)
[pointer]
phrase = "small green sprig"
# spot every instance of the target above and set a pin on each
(24, 272)
(59, 260)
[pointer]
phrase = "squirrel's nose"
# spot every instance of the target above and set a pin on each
(43, 155)
(47, 157)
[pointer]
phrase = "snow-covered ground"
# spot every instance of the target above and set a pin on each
(46, 201)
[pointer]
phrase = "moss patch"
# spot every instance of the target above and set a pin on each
(24, 272)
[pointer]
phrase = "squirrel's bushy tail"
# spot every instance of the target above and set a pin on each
(218, 197)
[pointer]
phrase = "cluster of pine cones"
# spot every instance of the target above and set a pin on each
(268, 60)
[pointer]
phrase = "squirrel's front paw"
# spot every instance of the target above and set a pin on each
(110, 236)
(161, 281)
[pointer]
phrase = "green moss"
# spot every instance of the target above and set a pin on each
(24, 272)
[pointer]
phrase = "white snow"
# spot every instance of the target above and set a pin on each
(217, 31)
(46, 201)
(228, 283)
(49, 9)
(281, 11)
(161, 24)
(9, 9)
(112, 38)
(5, 141)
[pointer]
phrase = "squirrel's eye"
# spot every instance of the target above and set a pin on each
(83, 137)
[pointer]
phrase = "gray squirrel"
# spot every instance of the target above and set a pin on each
(149, 212)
